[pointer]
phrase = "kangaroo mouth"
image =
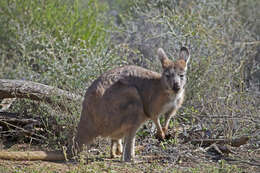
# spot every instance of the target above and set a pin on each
(176, 88)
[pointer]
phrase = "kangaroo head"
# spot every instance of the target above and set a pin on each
(174, 72)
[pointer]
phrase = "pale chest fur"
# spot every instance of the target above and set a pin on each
(172, 103)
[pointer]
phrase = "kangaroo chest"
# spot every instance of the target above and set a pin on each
(171, 103)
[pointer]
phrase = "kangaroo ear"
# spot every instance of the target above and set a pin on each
(163, 57)
(184, 54)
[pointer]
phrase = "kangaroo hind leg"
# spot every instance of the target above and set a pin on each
(116, 147)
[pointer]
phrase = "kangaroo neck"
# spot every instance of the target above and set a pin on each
(155, 96)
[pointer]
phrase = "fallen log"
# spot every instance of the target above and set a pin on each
(36, 91)
(32, 155)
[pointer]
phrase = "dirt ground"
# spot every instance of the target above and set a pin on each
(152, 155)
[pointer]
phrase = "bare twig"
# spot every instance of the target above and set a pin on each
(23, 130)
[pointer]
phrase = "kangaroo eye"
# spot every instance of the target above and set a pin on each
(167, 75)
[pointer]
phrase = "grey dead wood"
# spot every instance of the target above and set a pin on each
(36, 91)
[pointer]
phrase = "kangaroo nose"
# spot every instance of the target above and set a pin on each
(176, 86)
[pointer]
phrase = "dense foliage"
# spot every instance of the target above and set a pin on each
(69, 43)
(223, 37)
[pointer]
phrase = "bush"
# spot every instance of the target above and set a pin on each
(58, 43)
(67, 44)
(77, 19)
(223, 49)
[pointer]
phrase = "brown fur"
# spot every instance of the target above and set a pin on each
(122, 99)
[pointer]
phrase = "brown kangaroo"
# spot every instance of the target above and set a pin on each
(122, 99)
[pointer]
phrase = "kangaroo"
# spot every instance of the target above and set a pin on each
(122, 99)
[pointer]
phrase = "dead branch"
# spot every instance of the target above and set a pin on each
(32, 155)
(36, 91)
(220, 149)
(15, 118)
(236, 142)
(24, 131)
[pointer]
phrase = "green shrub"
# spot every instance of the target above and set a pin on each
(77, 19)
(67, 44)
(58, 43)
(223, 48)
